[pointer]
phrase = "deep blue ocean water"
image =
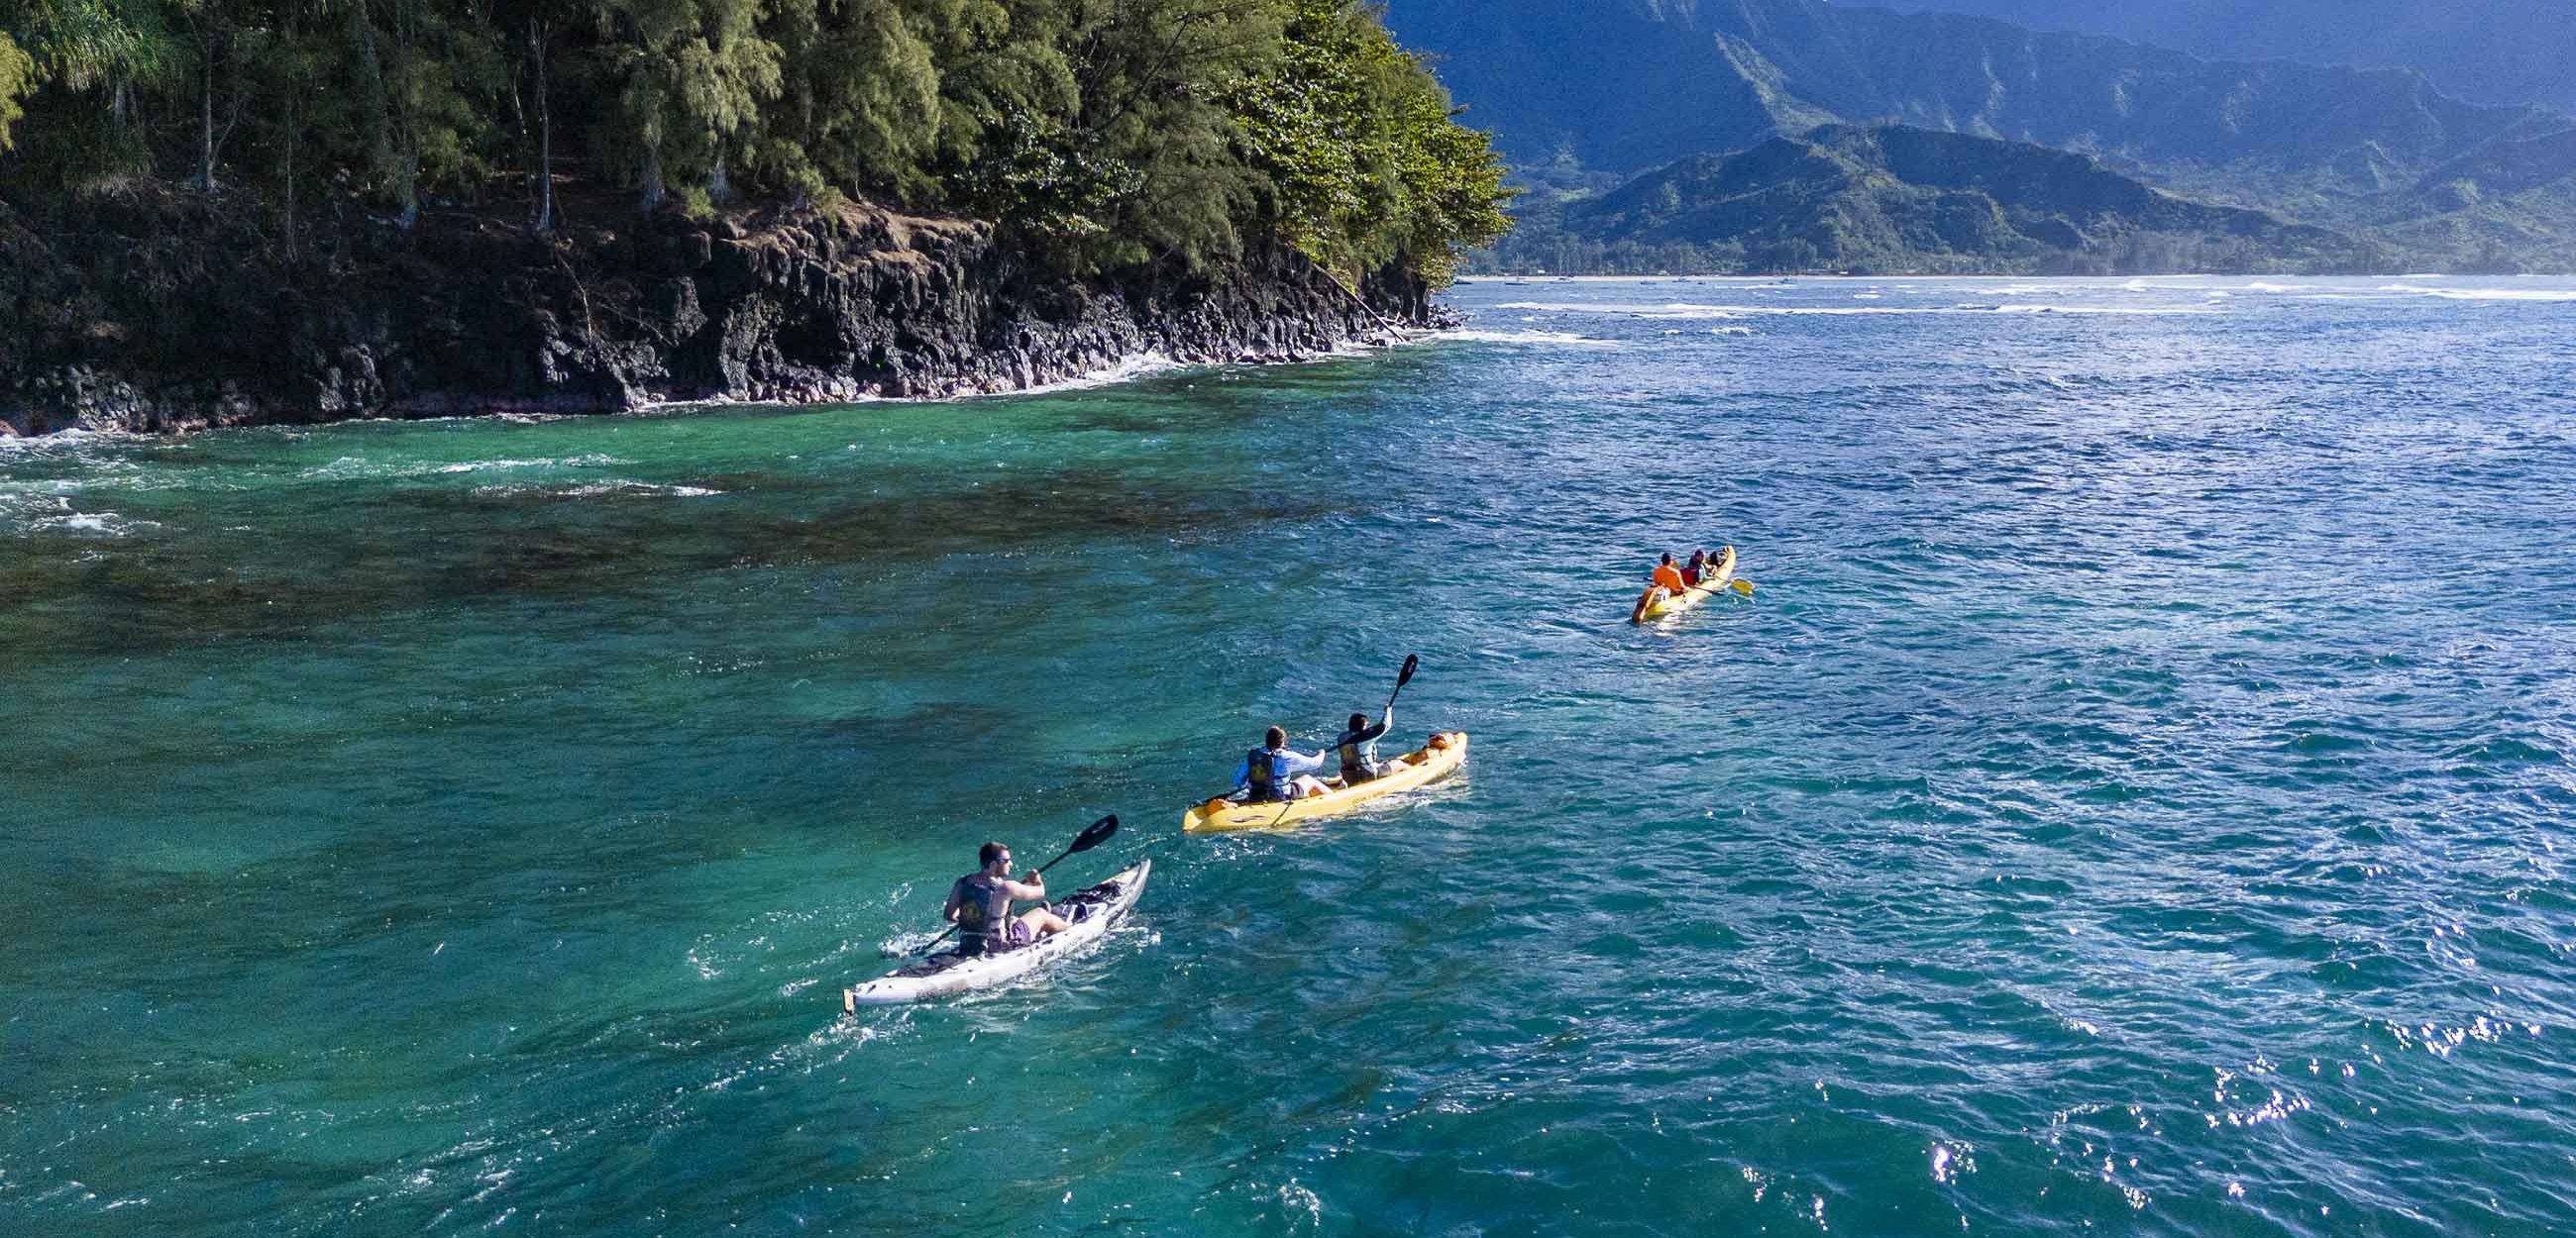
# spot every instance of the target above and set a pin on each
(2137, 799)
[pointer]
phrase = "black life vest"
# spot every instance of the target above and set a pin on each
(983, 913)
(1359, 757)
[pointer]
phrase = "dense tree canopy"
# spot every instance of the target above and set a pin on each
(1104, 131)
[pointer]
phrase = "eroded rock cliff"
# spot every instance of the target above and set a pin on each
(162, 313)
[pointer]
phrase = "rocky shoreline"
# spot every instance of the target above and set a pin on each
(170, 315)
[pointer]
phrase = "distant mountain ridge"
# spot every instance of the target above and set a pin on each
(1897, 199)
(2486, 51)
(1627, 85)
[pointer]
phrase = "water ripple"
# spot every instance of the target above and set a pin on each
(2135, 797)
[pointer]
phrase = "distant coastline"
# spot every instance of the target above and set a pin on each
(1509, 277)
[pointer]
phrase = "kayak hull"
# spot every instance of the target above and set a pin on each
(948, 973)
(1426, 766)
(1710, 586)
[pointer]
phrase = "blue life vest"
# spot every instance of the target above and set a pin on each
(1267, 785)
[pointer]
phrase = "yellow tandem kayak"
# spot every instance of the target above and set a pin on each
(1424, 767)
(1710, 585)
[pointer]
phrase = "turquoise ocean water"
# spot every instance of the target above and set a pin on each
(2138, 799)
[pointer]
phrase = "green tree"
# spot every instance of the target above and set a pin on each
(866, 105)
(17, 81)
(1452, 196)
(690, 75)
(102, 51)
(1362, 155)
(1151, 130)
(1102, 134)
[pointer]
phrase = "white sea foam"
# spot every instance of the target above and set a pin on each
(62, 440)
(59, 517)
(1862, 311)
(2485, 294)
(590, 490)
(40, 492)
(1844, 311)
(595, 460)
(1558, 339)
(345, 466)
(2137, 310)
(1687, 310)
(108, 523)
(1122, 370)
(349, 468)
(22, 505)
(639, 487)
(1669, 309)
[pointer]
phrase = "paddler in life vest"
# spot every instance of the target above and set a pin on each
(980, 906)
(1668, 583)
(1693, 571)
(1275, 773)
(1358, 750)
(1668, 575)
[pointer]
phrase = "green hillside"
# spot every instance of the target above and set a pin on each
(1899, 199)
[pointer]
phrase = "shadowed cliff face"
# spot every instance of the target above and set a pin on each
(170, 313)
(1630, 84)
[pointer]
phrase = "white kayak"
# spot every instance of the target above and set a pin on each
(1093, 912)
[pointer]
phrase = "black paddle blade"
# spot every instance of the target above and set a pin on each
(1412, 663)
(1097, 834)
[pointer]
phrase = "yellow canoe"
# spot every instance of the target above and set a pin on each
(1710, 585)
(1424, 767)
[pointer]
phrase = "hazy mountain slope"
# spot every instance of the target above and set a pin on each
(2492, 51)
(1635, 83)
(1904, 199)
(1623, 88)
(2084, 92)
(1627, 84)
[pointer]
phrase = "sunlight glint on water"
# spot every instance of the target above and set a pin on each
(2136, 796)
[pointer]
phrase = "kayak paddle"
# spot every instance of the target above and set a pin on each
(1093, 835)
(1412, 663)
